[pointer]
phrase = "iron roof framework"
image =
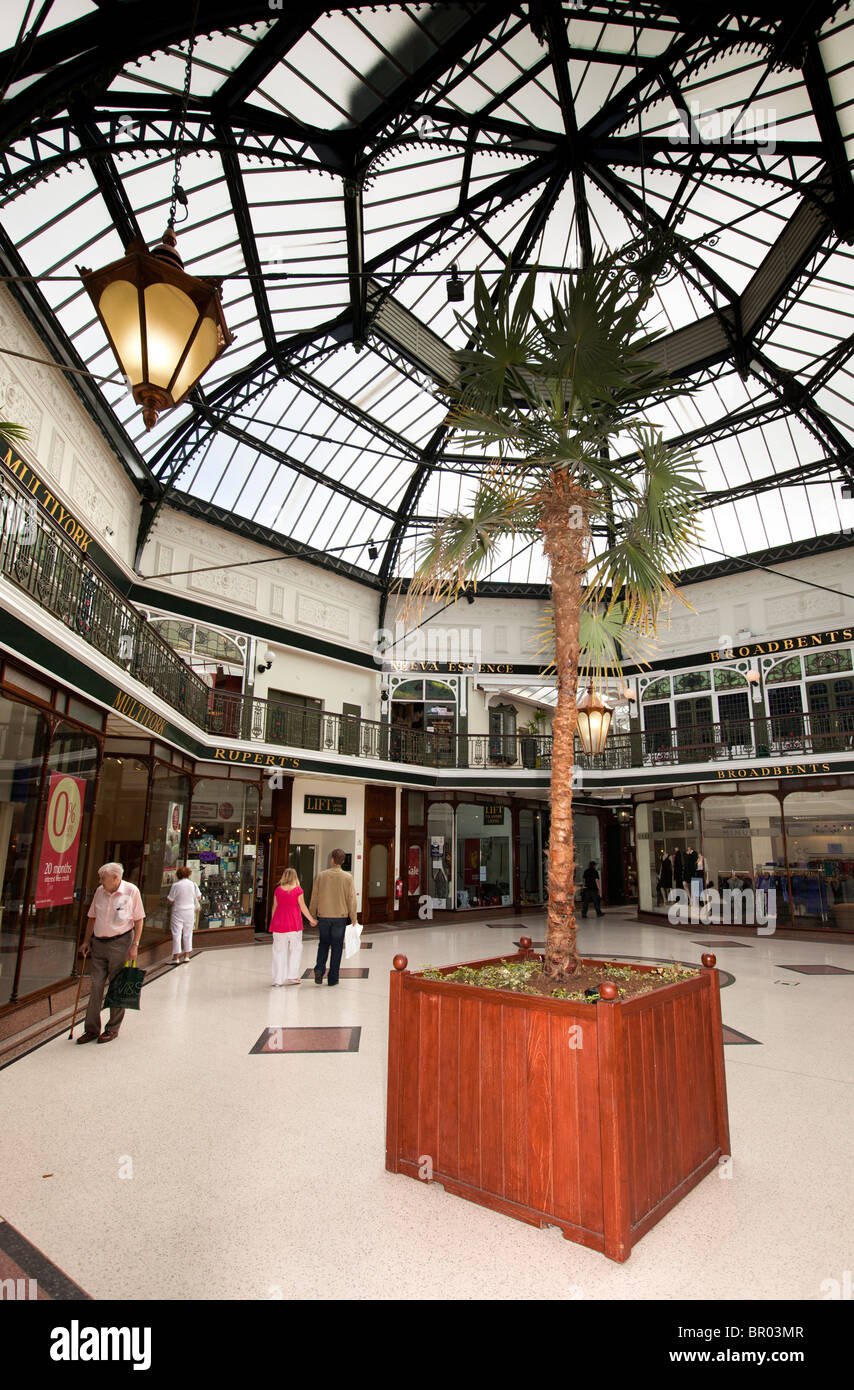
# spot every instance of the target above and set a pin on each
(339, 160)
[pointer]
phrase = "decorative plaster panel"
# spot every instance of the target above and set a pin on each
(324, 617)
(277, 600)
(235, 586)
(791, 609)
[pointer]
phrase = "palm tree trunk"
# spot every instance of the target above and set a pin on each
(566, 546)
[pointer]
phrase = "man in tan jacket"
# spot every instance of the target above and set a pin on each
(333, 903)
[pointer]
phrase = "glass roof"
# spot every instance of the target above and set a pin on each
(339, 162)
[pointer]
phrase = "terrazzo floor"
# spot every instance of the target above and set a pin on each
(254, 1176)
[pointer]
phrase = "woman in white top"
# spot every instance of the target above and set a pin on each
(186, 900)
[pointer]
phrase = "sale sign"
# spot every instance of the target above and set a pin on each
(60, 841)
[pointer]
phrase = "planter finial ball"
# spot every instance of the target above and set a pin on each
(709, 960)
(607, 990)
(525, 943)
(400, 962)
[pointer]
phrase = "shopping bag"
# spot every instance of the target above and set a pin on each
(351, 939)
(125, 988)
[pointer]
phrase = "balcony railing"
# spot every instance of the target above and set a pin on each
(38, 558)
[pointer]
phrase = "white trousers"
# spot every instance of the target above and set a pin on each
(287, 954)
(181, 927)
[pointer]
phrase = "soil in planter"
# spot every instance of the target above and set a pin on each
(526, 977)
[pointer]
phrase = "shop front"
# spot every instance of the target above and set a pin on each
(795, 837)
(221, 851)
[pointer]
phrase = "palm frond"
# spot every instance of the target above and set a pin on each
(13, 432)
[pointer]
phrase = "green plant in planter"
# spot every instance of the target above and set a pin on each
(547, 397)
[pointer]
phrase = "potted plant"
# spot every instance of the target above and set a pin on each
(530, 741)
(485, 1085)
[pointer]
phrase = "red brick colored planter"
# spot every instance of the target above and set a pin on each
(597, 1118)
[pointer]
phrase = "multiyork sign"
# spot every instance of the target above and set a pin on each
(786, 644)
(76, 533)
(140, 714)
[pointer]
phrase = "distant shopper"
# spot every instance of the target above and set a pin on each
(286, 927)
(590, 891)
(186, 901)
(113, 928)
(665, 875)
(678, 867)
(333, 901)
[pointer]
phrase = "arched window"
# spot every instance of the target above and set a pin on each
(502, 735)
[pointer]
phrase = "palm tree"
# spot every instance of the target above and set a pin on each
(12, 432)
(547, 397)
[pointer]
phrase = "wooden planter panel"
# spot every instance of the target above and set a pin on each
(597, 1119)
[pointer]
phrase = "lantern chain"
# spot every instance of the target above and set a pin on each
(178, 194)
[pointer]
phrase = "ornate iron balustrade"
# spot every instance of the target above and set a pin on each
(40, 561)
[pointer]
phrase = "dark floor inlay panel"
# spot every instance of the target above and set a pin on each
(818, 969)
(743, 944)
(345, 973)
(732, 1035)
(33, 1273)
(366, 945)
(308, 1040)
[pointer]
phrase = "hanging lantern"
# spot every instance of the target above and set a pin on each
(594, 721)
(165, 327)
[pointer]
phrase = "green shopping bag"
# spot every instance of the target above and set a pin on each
(125, 987)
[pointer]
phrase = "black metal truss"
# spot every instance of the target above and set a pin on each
(35, 141)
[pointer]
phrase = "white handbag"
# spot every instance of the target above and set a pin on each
(352, 940)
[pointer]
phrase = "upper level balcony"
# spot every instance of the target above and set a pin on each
(39, 560)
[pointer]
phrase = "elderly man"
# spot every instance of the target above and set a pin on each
(333, 903)
(113, 927)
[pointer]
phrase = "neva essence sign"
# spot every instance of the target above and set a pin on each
(60, 841)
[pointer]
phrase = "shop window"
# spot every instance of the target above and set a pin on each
(786, 719)
(221, 848)
(727, 679)
(657, 733)
(164, 849)
(531, 858)
(690, 681)
(23, 739)
(831, 706)
(788, 670)
(734, 715)
(661, 831)
(502, 735)
(483, 856)
(59, 885)
(825, 663)
(743, 843)
(820, 837)
(440, 844)
(415, 807)
(657, 690)
(118, 828)
(295, 720)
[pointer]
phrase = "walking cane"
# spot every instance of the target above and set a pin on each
(77, 1000)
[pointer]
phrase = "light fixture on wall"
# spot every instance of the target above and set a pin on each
(594, 721)
(752, 677)
(269, 658)
(165, 327)
(373, 552)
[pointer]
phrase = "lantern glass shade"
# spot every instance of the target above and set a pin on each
(594, 721)
(165, 327)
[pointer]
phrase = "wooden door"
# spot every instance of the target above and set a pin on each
(378, 893)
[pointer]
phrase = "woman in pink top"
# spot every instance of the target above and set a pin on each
(286, 927)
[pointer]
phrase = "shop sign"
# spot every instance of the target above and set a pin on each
(60, 841)
(414, 870)
(741, 774)
(46, 500)
(234, 755)
(226, 811)
(204, 810)
(325, 805)
(493, 815)
(782, 645)
(141, 714)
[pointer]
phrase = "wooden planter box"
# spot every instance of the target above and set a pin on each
(596, 1118)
